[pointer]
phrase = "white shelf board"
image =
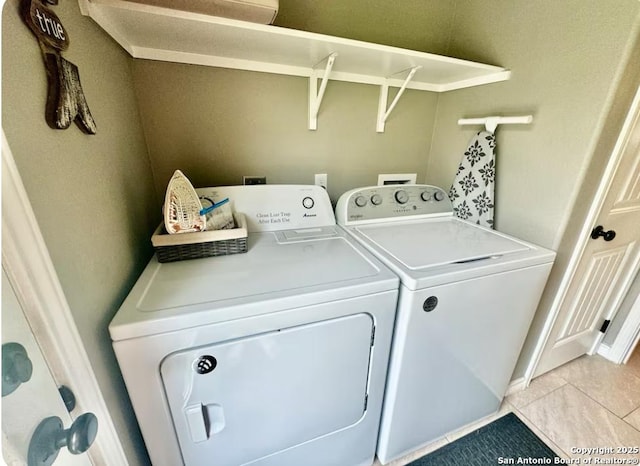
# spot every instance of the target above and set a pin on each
(156, 33)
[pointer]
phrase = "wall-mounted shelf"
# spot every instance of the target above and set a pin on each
(156, 33)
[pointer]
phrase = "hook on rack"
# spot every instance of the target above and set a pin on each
(315, 95)
(492, 122)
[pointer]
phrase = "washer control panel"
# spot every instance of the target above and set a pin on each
(375, 203)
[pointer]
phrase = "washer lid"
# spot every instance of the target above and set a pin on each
(423, 245)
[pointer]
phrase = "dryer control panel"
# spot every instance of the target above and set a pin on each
(376, 203)
(274, 207)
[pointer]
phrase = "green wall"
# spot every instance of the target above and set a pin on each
(424, 25)
(565, 57)
(223, 124)
(92, 196)
(96, 200)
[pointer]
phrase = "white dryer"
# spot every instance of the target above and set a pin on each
(467, 298)
(275, 357)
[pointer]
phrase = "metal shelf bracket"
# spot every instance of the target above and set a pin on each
(383, 112)
(315, 95)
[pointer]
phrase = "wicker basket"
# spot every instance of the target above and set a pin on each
(183, 246)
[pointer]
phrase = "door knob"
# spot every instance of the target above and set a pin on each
(49, 437)
(599, 231)
(16, 367)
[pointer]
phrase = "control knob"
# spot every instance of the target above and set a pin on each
(376, 199)
(361, 201)
(425, 196)
(401, 196)
(438, 196)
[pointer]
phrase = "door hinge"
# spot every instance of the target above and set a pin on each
(605, 326)
(373, 334)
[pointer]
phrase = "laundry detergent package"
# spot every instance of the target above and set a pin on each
(221, 217)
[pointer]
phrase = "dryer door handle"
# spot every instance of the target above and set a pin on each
(204, 420)
(215, 415)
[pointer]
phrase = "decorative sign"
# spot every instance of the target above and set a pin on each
(65, 99)
(46, 25)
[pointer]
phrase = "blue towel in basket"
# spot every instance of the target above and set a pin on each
(472, 191)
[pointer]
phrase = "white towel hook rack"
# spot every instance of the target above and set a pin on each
(315, 95)
(492, 122)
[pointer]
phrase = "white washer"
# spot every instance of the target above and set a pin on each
(274, 357)
(467, 297)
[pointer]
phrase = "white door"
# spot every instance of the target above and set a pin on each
(607, 264)
(26, 404)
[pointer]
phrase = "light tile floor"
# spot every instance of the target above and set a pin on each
(587, 403)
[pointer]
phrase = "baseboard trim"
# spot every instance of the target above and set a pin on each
(604, 350)
(516, 386)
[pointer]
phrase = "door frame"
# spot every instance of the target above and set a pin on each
(30, 270)
(620, 350)
(583, 239)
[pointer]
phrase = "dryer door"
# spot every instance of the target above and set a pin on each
(243, 399)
